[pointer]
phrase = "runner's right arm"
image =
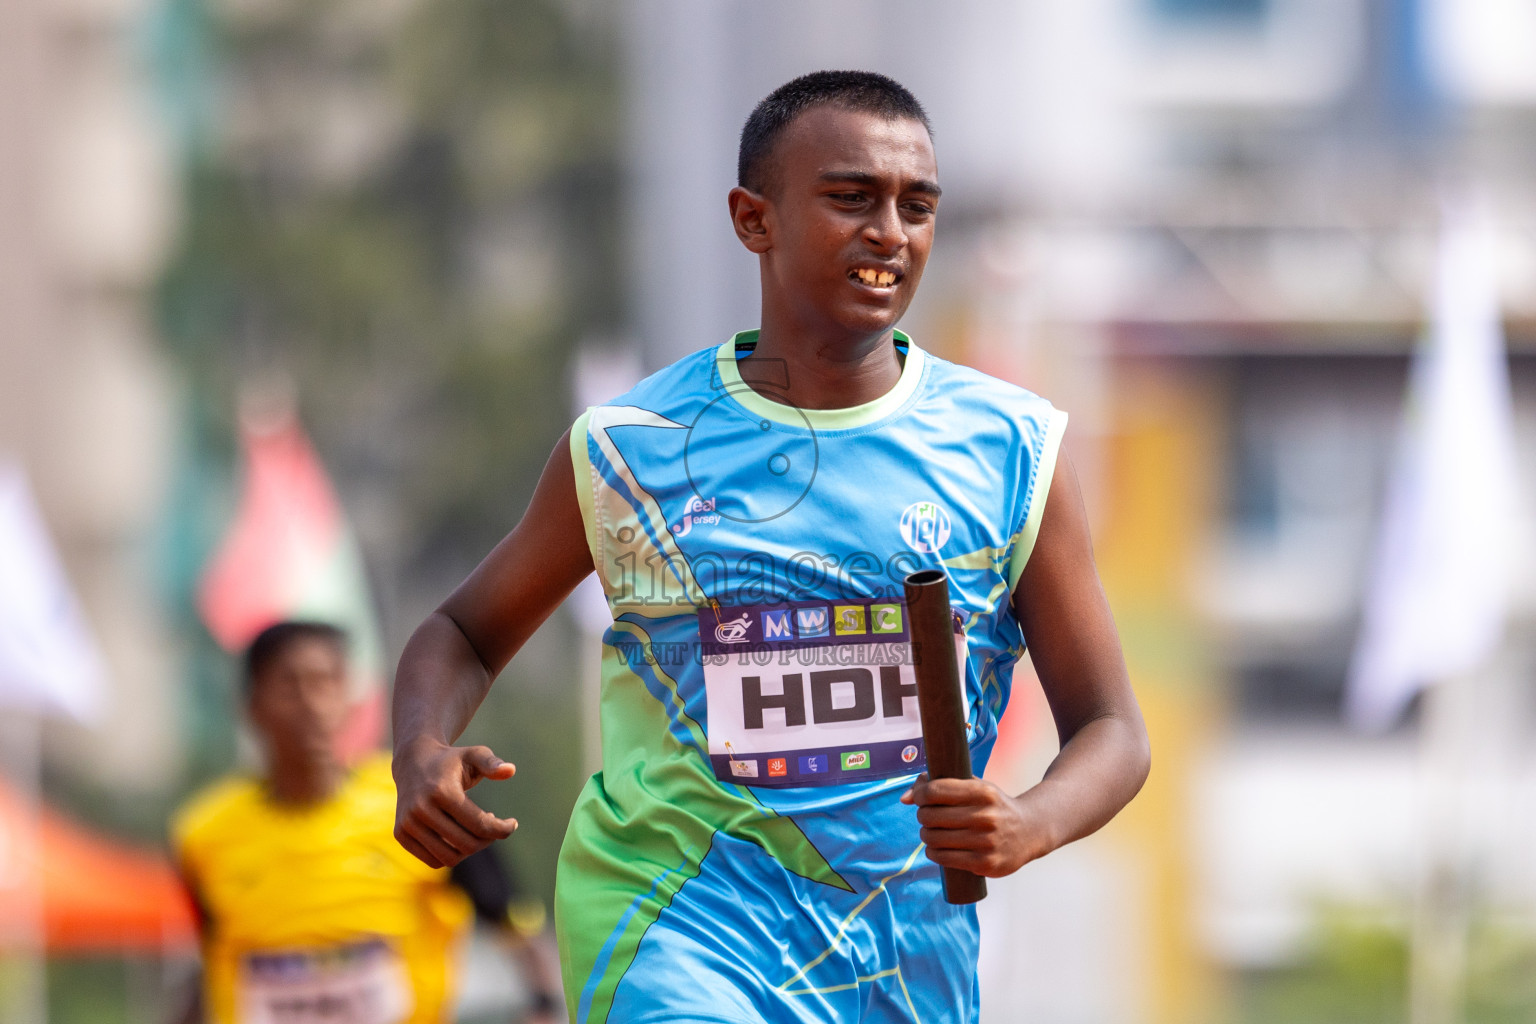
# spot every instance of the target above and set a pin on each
(451, 660)
(188, 1007)
(520, 925)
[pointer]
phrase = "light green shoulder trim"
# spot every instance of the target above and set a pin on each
(1025, 545)
(581, 462)
(818, 419)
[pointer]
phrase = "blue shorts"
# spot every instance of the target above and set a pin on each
(743, 942)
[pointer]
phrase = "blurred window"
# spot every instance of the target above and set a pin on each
(1310, 443)
(1210, 10)
(1291, 689)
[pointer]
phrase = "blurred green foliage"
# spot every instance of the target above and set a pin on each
(408, 210)
(1356, 972)
(413, 215)
(108, 990)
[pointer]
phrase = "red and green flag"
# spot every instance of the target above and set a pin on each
(290, 554)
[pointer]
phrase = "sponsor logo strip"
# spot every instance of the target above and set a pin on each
(831, 766)
(737, 628)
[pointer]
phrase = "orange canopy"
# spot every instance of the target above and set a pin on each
(97, 895)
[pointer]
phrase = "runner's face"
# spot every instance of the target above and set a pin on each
(851, 214)
(300, 703)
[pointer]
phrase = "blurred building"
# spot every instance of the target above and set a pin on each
(87, 209)
(1204, 227)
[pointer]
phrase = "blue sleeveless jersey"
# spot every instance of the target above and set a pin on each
(743, 856)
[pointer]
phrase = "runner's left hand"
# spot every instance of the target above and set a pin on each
(974, 825)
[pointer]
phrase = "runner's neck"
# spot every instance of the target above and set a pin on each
(305, 784)
(822, 376)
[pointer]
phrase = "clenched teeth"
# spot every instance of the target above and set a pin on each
(875, 278)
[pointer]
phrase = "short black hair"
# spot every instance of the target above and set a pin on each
(864, 91)
(277, 639)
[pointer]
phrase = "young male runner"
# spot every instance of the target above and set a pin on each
(751, 851)
(310, 911)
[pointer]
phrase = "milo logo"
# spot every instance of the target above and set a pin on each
(853, 759)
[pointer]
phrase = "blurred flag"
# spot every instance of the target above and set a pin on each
(1437, 601)
(49, 662)
(290, 554)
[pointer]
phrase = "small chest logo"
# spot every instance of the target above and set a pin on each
(776, 626)
(850, 619)
(812, 621)
(732, 631)
(698, 512)
(925, 527)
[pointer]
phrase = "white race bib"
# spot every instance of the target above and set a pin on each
(358, 984)
(811, 693)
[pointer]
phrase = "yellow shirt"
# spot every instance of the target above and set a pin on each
(317, 903)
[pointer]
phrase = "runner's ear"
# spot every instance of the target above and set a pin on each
(748, 210)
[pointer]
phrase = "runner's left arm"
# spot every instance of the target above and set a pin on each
(1105, 755)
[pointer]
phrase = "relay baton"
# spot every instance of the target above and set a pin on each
(940, 701)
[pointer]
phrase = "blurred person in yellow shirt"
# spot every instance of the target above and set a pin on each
(310, 912)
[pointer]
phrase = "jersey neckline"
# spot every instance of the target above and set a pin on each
(817, 419)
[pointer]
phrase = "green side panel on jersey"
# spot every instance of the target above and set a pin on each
(619, 867)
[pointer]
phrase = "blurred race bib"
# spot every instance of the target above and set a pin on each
(363, 983)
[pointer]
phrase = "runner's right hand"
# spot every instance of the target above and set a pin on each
(434, 817)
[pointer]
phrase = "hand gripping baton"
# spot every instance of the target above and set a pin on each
(940, 701)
